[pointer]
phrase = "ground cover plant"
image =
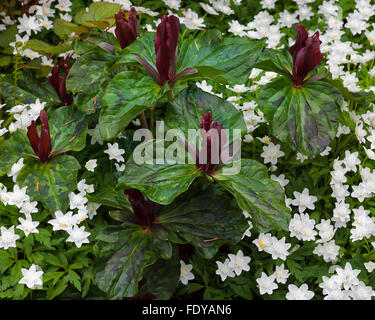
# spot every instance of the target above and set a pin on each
(170, 149)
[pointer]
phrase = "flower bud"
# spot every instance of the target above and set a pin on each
(306, 55)
(127, 30)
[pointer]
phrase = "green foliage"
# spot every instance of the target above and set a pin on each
(304, 118)
(200, 218)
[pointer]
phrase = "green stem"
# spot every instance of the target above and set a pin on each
(183, 35)
(170, 95)
(221, 18)
(152, 117)
(367, 245)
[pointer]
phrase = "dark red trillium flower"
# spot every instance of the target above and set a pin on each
(210, 163)
(127, 30)
(40, 144)
(144, 210)
(306, 55)
(166, 41)
(59, 82)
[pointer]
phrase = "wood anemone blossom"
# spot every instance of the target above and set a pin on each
(144, 210)
(59, 82)
(127, 30)
(41, 144)
(209, 158)
(166, 41)
(306, 55)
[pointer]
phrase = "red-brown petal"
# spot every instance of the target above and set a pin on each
(32, 134)
(302, 35)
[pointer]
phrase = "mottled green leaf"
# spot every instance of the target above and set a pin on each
(50, 183)
(44, 48)
(8, 36)
(143, 47)
(126, 96)
(305, 118)
(92, 66)
(28, 90)
(110, 197)
(228, 60)
(125, 251)
(162, 183)
(98, 11)
(63, 28)
(256, 193)
(207, 220)
(68, 128)
(273, 60)
(162, 277)
(231, 59)
(185, 110)
(13, 149)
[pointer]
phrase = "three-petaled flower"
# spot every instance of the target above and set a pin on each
(144, 210)
(209, 158)
(306, 55)
(127, 30)
(166, 41)
(41, 144)
(59, 82)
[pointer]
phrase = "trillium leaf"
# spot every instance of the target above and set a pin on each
(50, 183)
(8, 36)
(28, 90)
(126, 96)
(110, 197)
(142, 47)
(14, 148)
(256, 193)
(125, 251)
(68, 129)
(162, 278)
(185, 111)
(162, 183)
(98, 11)
(279, 61)
(43, 47)
(228, 60)
(305, 118)
(207, 220)
(64, 28)
(93, 67)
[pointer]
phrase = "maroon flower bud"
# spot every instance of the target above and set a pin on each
(59, 82)
(306, 55)
(144, 210)
(126, 30)
(209, 157)
(41, 145)
(166, 41)
(166, 47)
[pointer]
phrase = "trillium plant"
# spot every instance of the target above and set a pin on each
(169, 150)
(166, 53)
(306, 55)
